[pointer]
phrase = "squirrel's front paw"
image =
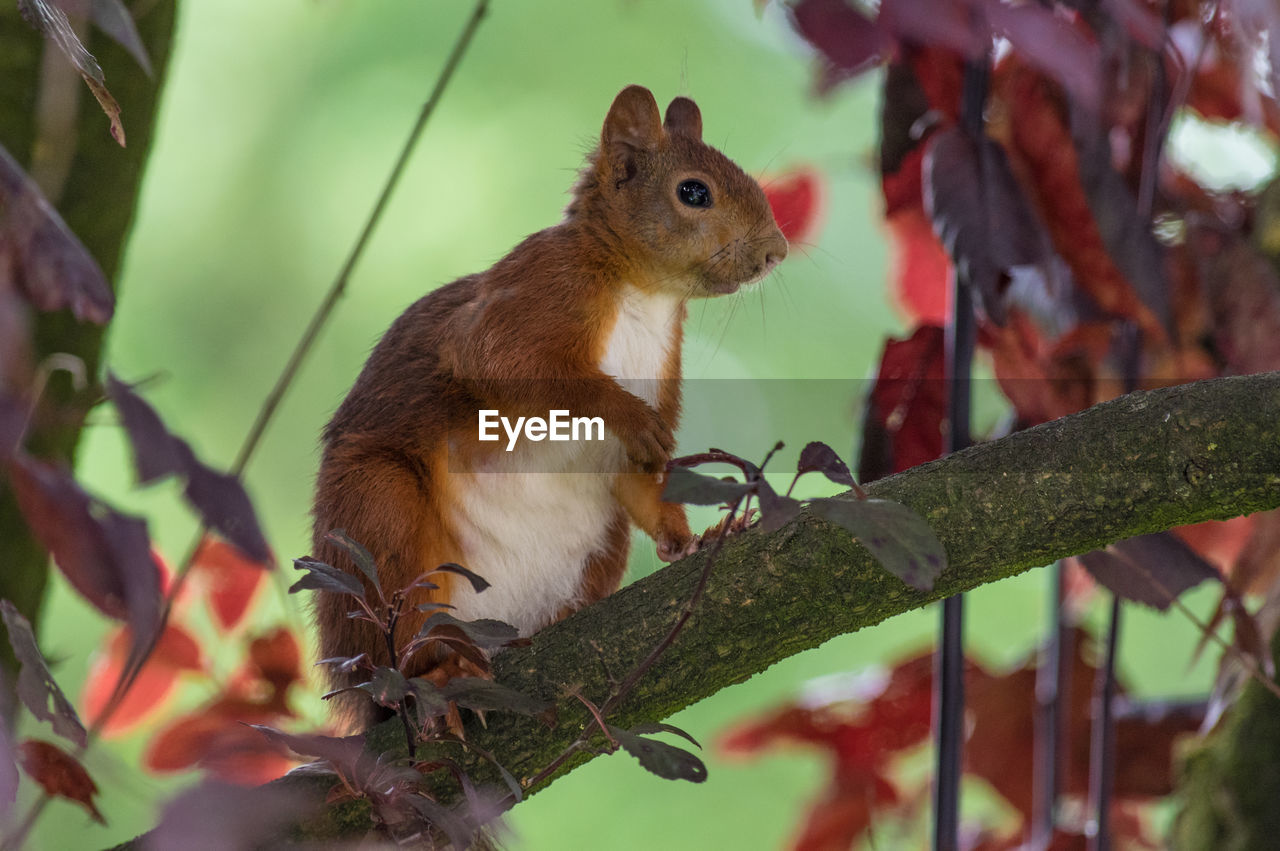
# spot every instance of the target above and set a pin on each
(675, 547)
(648, 440)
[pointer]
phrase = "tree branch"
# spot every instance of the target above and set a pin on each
(1138, 464)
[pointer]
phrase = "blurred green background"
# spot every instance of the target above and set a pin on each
(279, 122)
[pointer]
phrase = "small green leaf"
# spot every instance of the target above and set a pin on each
(900, 539)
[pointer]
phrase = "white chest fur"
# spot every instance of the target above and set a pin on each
(641, 340)
(530, 521)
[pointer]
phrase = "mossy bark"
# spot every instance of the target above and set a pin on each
(1139, 464)
(97, 201)
(1229, 783)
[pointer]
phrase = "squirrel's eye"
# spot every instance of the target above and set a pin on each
(694, 193)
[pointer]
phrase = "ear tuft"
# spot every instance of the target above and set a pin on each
(683, 117)
(632, 120)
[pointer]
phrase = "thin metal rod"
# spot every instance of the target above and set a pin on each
(1050, 698)
(949, 701)
(1102, 750)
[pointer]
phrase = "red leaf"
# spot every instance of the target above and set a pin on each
(1045, 155)
(175, 652)
(59, 774)
(907, 405)
(921, 267)
(219, 739)
(796, 201)
(106, 555)
(277, 659)
(231, 578)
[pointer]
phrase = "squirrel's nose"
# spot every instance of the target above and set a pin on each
(775, 251)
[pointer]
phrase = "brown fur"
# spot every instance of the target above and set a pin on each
(527, 336)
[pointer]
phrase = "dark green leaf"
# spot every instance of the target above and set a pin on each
(901, 540)
(660, 758)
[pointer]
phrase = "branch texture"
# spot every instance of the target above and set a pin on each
(1142, 463)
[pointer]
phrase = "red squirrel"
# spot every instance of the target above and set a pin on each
(585, 316)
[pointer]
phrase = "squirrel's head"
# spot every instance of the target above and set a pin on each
(682, 211)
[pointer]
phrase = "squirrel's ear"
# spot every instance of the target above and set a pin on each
(632, 125)
(683, 117)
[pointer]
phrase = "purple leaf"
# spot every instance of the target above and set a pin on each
(899, 538)
(156, 453)
(1053, 45)
(362, 558)
(219, 498)
(346, 664)
(114, 19)
(104, 554)
(686, 486)
(387, 686)
(1125, 232)
(222, 817)
(8, 767)
(981, 215)
(817, 457)
(660, 758)
(486, 633)
(224, 506)
(345, 753)
(36, 687)
(1150, 569)
(657, 727)
(51, 269)
(454, 826)
(475, 693)
(325, 577)
(847, 40)
(478, 582)
(776, 510)
(958, 26)
(428, 700)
